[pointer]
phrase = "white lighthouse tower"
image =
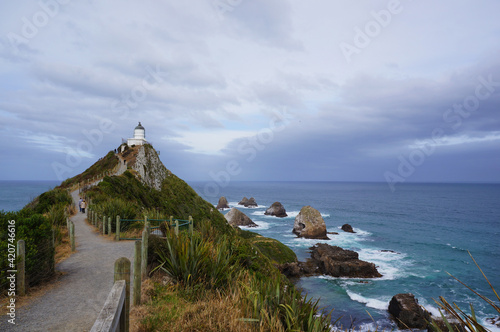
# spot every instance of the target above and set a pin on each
(139, 136)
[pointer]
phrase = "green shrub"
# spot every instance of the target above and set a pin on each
(44, 202)
(36, 231)
(57, 214)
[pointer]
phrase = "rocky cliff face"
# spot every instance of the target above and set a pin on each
(149, 166)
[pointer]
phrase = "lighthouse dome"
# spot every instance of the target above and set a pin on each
(139, 132)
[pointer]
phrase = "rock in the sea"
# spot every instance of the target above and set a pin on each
(222, 203)
(276, 209)
(407, 313)
(237, 218)
(292, 270)
(248, 202)
(338, 262)
(347, 228)
(243, 201)
(251, 202)
(333, 261)
(310, 224)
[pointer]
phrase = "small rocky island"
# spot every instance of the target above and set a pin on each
(248, 202)
(222, 204)
(237, 218)
(310, 224)
(276, 209)
(333, 261)
(347, 228)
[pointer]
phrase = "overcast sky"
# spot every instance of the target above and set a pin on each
(254, 89)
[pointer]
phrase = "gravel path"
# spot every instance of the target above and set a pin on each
(75, 301)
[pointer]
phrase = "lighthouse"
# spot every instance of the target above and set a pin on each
(139, 136)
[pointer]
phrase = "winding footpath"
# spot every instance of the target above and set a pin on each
(76, 299)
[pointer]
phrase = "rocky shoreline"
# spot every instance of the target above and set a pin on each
(333, 261)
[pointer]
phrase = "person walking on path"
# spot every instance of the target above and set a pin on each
(83, 205)
(80, 204)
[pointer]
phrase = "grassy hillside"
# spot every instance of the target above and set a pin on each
(107, 163)
(128, 197)
(218, 279)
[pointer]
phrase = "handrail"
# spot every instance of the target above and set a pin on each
(110, 317)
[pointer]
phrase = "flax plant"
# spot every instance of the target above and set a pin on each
(469, 322)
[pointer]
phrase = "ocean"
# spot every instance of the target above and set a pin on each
(415, 236)
(14, 195)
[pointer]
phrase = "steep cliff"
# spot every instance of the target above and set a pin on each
(148, 165)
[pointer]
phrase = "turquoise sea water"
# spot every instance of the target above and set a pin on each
(414, 236)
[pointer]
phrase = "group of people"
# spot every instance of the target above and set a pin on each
(82, 205)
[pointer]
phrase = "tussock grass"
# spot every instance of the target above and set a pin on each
(456, 318)
(219, 282)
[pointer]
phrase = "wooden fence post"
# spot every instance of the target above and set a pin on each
(67, 224)
(137, 273)
(109, 225)
(21, 271)
(117, 228)
(191, 226)
(122, 272)
(103, 225)
(144, 253)
(72, 235)
(176, 225)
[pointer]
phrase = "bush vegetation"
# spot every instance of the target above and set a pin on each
(208, 270)
(99, 167)
(35, 224)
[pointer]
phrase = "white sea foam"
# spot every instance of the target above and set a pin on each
(366, 327)
(380, 304)
(490, 326)
(258, 213)
(235, 204)
(261, 225)
(432, 310)
(390, 264)
(292, 214)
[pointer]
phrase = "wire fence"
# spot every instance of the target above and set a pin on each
(127, 229)
(39, 267)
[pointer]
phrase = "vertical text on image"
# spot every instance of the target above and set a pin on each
(11, 272)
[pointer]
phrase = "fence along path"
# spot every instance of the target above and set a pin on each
(75, 301)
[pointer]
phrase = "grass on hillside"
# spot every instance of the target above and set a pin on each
(107, 163)
(214, 282)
